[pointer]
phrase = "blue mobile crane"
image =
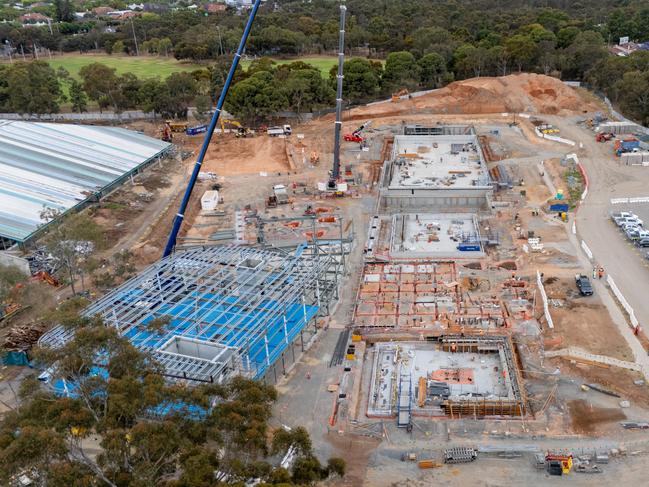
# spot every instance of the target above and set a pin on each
(178, 219)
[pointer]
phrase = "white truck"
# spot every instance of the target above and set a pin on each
(282, 130)
(281, 194)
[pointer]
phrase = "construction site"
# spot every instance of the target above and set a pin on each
(420, 306)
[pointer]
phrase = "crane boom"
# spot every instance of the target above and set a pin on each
(178, 219)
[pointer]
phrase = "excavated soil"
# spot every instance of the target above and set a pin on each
(525, 92)
(228, 155)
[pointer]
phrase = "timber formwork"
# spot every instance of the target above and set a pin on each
(479, 407)
(421, 294)
(231, 310)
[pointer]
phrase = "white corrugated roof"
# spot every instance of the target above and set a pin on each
(48, 165)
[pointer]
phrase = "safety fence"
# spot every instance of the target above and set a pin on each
(544, 298)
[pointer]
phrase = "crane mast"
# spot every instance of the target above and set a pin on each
(335, 173)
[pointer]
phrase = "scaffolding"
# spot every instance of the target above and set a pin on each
(231, 310)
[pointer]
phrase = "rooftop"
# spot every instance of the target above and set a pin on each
(436, 162)
(47, 165)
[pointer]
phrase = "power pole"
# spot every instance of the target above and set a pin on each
(137, 50)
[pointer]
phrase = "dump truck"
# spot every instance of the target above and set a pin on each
(584, 285)
(276, 131)
(177, 126)
(280, 194)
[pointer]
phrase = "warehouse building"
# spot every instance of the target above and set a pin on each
(62, 167)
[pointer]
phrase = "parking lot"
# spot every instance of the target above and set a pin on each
(642, 211)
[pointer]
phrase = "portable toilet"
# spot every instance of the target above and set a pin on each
(209, 200)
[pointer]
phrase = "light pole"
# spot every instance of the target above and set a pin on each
(11, 59)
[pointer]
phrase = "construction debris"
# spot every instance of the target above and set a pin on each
(23, 337)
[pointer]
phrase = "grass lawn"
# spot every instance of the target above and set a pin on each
(323, 63)
(151, 66)
(142, 66)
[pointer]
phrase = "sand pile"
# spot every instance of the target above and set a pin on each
(532, 93)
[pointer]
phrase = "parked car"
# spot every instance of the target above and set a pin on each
(629, 220)
(642, 242)
(583, 284)
(632, 234)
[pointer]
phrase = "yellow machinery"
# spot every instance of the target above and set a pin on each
(565, 460)
(177, 126)
(397, 95)
(239, 130)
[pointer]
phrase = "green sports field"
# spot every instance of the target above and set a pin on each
(323, 63)
(152, 66)
(142, 66)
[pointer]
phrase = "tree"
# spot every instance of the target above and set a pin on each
(361, 82)
(566, 36)
(118, 48)
(521, 49)
(149, 432)
(633, 91)
(255, 98)
(547, 56)
(401, 71)
(155, 97)
(431, 39)
(70, 240)
(78, 97)
(102, 85)
(336, 466)
(203, 106)
(499, 57)
(63, 11)
(182, 89)
(432, 69)
(164, 46)
(584, 53)
(471, 60)
(32, 88)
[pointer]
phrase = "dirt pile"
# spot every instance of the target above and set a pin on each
(228, 155)
(525, 92)
(531, 93)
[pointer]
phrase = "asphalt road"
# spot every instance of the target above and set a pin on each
(607, 180)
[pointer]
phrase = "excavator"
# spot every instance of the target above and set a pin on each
(356, 136)
(241, 131)
(396, 96)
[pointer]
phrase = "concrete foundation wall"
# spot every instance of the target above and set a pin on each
(433, 200)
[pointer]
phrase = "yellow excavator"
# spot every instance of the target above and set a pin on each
(240, 130)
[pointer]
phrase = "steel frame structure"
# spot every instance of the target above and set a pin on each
(242, 305)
